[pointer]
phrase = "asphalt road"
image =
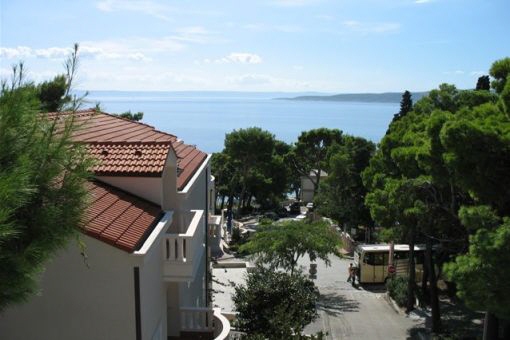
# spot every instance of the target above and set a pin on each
(346, 312)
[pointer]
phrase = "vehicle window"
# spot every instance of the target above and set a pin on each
(401, 255)
(378, 259)
(385, 260)
(369, 258)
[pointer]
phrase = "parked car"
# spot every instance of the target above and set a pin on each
(309, 206)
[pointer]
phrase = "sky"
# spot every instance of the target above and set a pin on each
(333, 46)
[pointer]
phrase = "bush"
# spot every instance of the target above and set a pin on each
(397, 288)
(236, 235)
(275, 305)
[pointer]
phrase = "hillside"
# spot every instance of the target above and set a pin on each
(387, 97)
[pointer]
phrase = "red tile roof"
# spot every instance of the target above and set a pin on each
(119, 218)
(127, 148)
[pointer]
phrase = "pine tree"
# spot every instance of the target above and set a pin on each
(42, 191)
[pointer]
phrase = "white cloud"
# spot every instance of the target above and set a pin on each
(478, 73)
(148, 7)
(21, 52)
(133, 48)
(455, 72)
(371, 27)
(237, 58)
(97, 50)
(261, 27)
(196, 34)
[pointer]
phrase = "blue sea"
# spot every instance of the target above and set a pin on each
(203, 118)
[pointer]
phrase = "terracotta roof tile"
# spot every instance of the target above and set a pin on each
(127, 148)
(119, 218)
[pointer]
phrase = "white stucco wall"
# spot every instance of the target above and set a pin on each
(77, 302)
(149, 188)
(153, 293)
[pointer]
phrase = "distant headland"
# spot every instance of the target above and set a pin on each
(386, 97)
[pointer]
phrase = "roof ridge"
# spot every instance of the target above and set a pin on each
(136, 122)
(128, 142)
(93, 110)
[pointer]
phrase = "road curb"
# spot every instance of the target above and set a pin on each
(393, 304)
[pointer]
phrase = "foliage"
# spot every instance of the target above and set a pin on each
(281, 245)
(478, 153)
(131, 116)
(483, 83)
(342, 194)
(52, 94)
(406, 105)
(500, 70)
(42, 175)
(310, 153)
(274, 304)
(441, 173)
(397, 289)
(252, 165)
(481, 275)
(236, 235)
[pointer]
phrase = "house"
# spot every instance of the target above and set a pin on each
(140, 269)
(307, 186)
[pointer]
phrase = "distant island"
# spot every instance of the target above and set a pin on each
(387, 97)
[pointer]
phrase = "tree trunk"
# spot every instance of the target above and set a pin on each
(222, 202)
(249, 199)
(506, 329)
(424, 281)
(490, 327)
(434, 298)
(318, 181)
(411, 274)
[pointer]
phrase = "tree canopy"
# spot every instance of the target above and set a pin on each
(342, 193)
(252, 165)
(42, 176)
(282, 245)
(274, 304)
(310, 153)
(131, 116)
(440, 167)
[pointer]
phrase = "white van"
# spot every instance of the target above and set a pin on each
(372, 261)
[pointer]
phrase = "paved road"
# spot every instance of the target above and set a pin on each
(344, 312)
(349, 313)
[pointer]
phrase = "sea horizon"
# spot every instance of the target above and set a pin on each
(202, 118)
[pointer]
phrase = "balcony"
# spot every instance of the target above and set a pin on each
(215, 234)
(204, 321)
(183, 252)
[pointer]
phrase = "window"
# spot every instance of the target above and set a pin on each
(376, 259)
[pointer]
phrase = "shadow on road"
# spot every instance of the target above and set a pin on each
(373, 288)
(457, 321)
(334, 304)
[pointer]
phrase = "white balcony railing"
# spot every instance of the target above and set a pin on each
(183, 252)
(197, 319)
(205, 320)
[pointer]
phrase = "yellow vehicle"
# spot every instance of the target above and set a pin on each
(372, 261)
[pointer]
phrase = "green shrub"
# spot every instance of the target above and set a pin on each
(236, 235)
(397, 288)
